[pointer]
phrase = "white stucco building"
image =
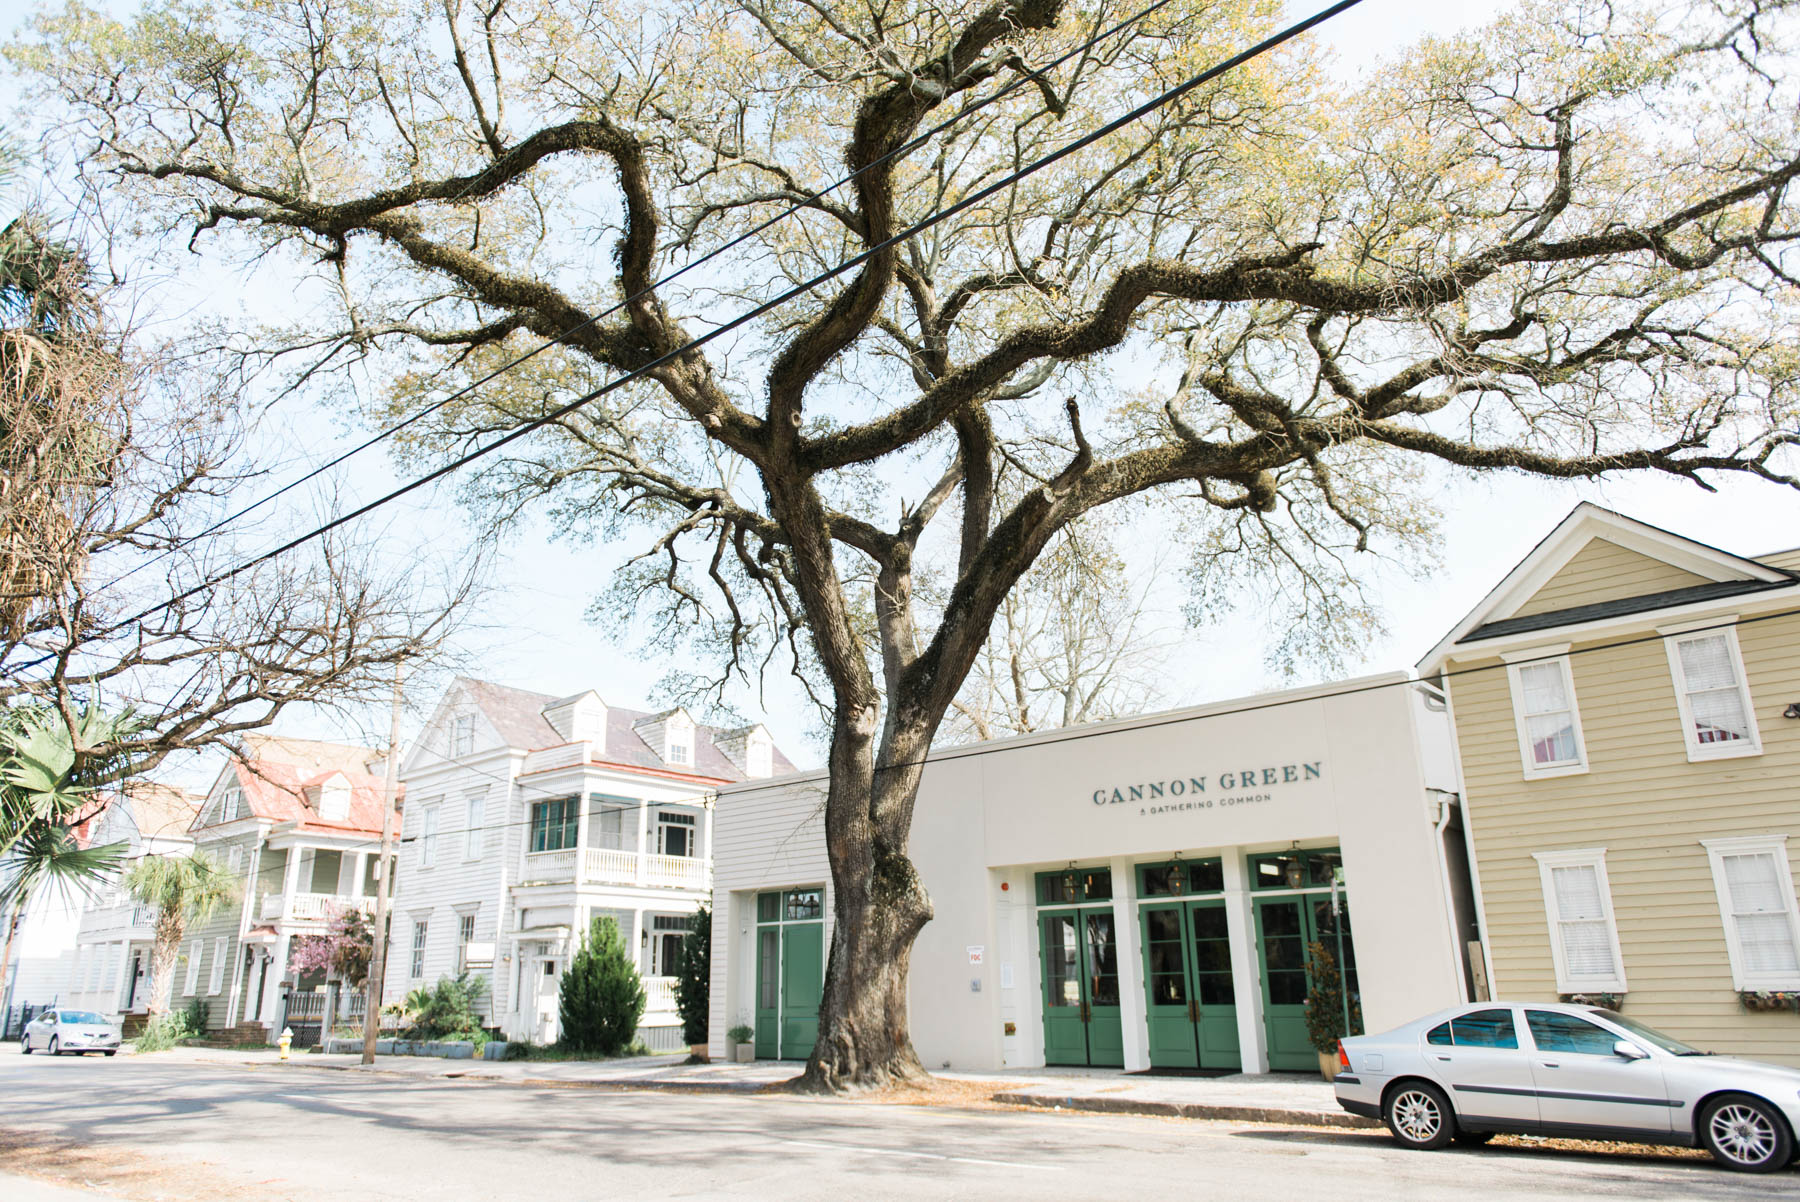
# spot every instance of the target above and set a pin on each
(528, 815)
(1136, 894)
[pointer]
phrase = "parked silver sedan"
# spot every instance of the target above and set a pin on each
(1572, 1071)
(59, 1031)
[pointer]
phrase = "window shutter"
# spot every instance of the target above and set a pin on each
(1759, 909)
(1581, 922)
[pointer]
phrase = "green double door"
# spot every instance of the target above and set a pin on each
(1190, 997)
(1285, 927)
(1081, 988)
(790, 973)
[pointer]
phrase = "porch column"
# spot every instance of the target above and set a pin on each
(290, 885)
(123, 974)
(1133, 1014)
(362, 874)
(705, 849)
(1246, 971)
(637, 943)
(643, 844)
(581, 835)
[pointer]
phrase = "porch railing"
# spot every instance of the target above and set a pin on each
(613, 867)
(312, 907)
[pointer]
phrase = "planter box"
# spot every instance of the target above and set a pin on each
(457, 1049)
(744, 1053)
(495, 1050)
(384, 1047)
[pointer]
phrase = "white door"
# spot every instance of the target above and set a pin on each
(548, 974)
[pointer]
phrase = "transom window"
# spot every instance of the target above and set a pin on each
(1717, 720)
(554, 824)
(1543, 693)
(1181, 878)
(1304, 869)
(1074, 885)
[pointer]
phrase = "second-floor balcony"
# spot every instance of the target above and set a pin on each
(607, 866)
(310, 907)
(118, 915)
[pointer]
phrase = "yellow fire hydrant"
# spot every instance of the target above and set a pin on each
(286, 1041)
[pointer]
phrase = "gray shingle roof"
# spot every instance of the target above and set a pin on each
(1620, 608)
(517, 715)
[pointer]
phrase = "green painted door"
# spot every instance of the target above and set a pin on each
(1285, 928)
(1215, 990)
(1065, 1034)
(1191, 1000)
(1100, 963)
(768, 992)
(1169, 1001)
(802, 985)
(1281, 936)
(1082, 1022)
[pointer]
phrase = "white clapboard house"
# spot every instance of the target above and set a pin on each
(528, 815)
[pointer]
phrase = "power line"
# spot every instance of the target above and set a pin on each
(965, 751)
(1154, 103)
(1013, 85)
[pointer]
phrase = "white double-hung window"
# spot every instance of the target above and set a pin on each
(1716, 717)
(1543, 696)
(216, 982)
(193, 968)
(428, 828)
(1584, 941)
(474, 809)
(1756, 902)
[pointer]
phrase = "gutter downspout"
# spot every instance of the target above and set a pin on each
(1447, 802)
(1468, 825)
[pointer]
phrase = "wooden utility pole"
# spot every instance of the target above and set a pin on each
(384, 877)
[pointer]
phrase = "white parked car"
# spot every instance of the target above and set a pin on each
(1571, 1071)
(59, 1031)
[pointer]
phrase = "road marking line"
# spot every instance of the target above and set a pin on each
(867, 1151)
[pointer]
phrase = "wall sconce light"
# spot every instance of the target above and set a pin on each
(1070, 880)
(1792, 711)
(1293, 866)
(1175, 874)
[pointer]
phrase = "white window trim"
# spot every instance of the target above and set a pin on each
(1696, 750)
(428, 837)
(1596, 857)
(416, 949)
(462, 735)
(474, 825)
(192, 985)
(1775, 845)
(1535, 658)
(216, 982)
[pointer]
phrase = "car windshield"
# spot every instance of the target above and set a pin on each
(87, 1017)
(1649, 1034)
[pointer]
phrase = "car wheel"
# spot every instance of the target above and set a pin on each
(25, 1045)
(1472, 1139)
(1419, 1116)
(1746, 1134)
(55, 1048)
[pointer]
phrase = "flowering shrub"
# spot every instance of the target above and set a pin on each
(342, 953)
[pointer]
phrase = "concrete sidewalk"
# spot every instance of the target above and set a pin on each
(1271, 1098)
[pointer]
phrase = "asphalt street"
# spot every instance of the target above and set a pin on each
(188, 1130)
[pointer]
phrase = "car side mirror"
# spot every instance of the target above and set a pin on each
(1626, 1050)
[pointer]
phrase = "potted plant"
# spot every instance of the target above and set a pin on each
(1324, 1008)
(741, 1043)
(693, 983)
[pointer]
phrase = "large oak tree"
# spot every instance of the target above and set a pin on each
(1559, 246)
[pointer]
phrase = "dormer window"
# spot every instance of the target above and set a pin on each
(231, 804)
(761, 759)
(462, 734)
(679, 752)
(334, 800)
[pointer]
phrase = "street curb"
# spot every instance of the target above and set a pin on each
(1188, 1110)
(738, 1087)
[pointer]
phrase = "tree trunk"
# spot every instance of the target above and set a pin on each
(163, 953)
(879, 906)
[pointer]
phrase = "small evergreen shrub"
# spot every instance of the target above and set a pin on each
(1324, 999)
(447, 1010)
(693, 977)
(194, 1016)
(601, 998)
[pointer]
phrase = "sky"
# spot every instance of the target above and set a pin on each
(533, 632)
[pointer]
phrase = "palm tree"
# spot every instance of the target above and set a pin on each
(45, 792)
(183, 889)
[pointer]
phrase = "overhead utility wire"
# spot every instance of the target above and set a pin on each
(1034, 75)
(968, 750)
(1149, 106)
